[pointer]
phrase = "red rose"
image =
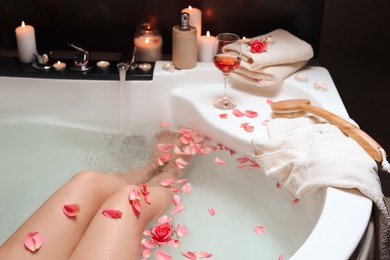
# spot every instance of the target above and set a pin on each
(161, 233)
(258, 46)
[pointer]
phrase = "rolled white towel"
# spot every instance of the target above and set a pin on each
(284, 56)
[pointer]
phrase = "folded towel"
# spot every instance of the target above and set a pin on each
(284, 56)
(305, 155)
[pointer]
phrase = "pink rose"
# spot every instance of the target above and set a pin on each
(161, 233)
(258, 46)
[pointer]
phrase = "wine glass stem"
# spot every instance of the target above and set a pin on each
(225, 97)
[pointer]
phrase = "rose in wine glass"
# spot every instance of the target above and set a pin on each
(226, 61)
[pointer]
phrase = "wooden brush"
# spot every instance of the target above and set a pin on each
(299, 107)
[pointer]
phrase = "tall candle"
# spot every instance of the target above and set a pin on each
(25, 39)
(206, 46)
(195, 19)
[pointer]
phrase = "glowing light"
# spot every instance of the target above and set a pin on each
(23, 24)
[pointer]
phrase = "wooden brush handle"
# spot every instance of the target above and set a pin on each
(361, 137)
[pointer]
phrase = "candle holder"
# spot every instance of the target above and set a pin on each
(148, 41)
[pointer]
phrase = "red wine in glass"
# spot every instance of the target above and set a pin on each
(226, 63)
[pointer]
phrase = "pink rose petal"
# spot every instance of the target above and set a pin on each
(259, 230)
(134, 198)
(223, 116)
(112, 213)
(161, 255)
(238, 113)
(146, 253)
(269, 102)
(175, 190)
(280, 257)
(181, 181)
(181, 163)
(167, 182)
(33, 241)
(265, 122)
(177, 209)
(244, 125)
(295, 201)
(146, 193)
(163, 147)
(164, 124)
(147, 232)
(242, 160)
(211, 211)
(189, 255)
(164, 219)
(176, 200)
(147, 244)
(203, 254)
(251, 114)
(187, 188)
(174, 243)
(181, 230)
(219, 161)
(249, 128)
(207, 149)
(71, 210)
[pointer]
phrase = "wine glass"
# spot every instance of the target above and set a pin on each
(226, 61)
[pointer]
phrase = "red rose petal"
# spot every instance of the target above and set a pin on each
(189, 255)
(112, 213)
(295, 201)
(251, 114)
(223, 116)
(71, 210)
(238, 113)
(33, 241)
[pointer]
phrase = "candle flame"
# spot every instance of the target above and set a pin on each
(244, 38)
(58, 62)
(23, 24)
(208, 33)
(147, 40)
(190, 7)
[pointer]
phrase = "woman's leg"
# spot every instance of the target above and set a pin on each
(88, 189)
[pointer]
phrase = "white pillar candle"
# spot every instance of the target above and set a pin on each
(195, 19)
(148, 48)
(206, 46)
(25, 38)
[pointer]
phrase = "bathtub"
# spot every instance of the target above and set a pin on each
(79, 119)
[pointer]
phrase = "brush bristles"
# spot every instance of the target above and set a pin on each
(288, 114)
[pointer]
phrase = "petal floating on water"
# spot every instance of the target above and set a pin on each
(161, 255)
(219, 161)
(187, 188)
(259, 230)
(211, 211)
(203, 254)
(189, 255)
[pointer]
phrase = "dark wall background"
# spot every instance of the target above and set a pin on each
(350, 38)
(108, 25)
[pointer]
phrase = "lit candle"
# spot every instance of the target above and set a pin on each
(145, 67)
(25, 39)
(148, 42)
(59, 66)
(206, 45)
(321, 86)
(195, 19)
(301, 77)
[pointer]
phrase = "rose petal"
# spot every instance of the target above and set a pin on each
(147, 243)
(163, 147)
(238, 113)
(181, 181)
(189, 255)
(280, 257)
(164, 219)
(174, 243)
(295, 201)
(167, 182)
(147, 232)
(223, 116)
(161, 255)
(269, 102)
(219, 161)
(181, 163)
(144, 191)
(278, 185)
(71, 210)
(249, 128)
(251, 114)
(259, 230)
(187, 188)
(175, 190)
(211, 211)
(177, 209)
(244, 125)
(146, 253)
(207, 149)
(265, 122)
(242, 160)
(112, 213)
(176, 200)
(134, 198)
(203, 254)
(164, 124)
(181, 230)
(33, 241)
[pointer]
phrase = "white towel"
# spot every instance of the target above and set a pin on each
(283, 57)
(306, 155)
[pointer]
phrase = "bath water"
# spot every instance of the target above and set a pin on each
(36, 159)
